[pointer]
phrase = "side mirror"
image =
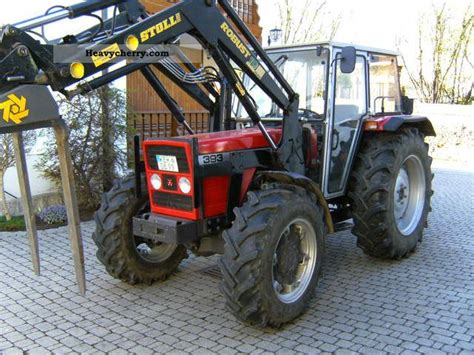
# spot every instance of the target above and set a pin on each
(348, 60)
(407, 105)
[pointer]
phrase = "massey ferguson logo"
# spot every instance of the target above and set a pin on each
(170, 183)
(14, 109)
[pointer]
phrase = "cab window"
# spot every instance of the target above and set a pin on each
(384, 87)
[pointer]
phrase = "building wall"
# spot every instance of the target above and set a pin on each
(44, 192)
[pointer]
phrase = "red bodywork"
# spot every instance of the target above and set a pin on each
(231, 141)
(215, 189)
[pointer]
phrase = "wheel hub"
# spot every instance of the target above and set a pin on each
(287, 258)
(294, 261)
(402, 189)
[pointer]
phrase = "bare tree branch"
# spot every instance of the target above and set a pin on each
(446, 41)
(306, 21)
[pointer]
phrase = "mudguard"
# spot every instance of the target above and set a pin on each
(286, 177)
(395, 122)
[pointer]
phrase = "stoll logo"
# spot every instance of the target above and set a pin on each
(14, 109)
(160, 27)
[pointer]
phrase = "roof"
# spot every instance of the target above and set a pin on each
(335, 44)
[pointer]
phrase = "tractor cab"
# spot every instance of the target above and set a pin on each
(341, 88)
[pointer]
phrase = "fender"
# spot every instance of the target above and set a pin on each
(394, 123)
(302, 181)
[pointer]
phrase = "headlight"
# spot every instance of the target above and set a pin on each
(185, 185)
(155, 182)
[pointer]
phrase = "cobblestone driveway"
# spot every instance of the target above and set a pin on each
(423, 304)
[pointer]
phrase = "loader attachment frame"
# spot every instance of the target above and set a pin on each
(214, 24)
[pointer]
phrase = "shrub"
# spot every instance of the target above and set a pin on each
(53, 215)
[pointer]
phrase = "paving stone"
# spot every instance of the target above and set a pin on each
(463, 337)
(465, 345)
(305, 349)
(229, 342)
(423, 304)
(46, 342)
(431, 351)
(389, 340)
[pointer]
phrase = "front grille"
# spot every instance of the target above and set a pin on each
(174, 201)
(178, 152)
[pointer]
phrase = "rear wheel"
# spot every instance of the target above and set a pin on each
(391, 193)
(127, 257)
(273, 256)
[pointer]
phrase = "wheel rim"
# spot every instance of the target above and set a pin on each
(155, 252)
(294, 261)
(150, 251)
(409, 195)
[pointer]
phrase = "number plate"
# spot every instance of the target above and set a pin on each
(167, 163)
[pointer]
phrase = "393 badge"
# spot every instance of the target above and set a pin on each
(210, 159)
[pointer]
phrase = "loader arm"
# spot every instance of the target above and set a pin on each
(215, 25)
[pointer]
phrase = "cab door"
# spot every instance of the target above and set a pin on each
(348, 107)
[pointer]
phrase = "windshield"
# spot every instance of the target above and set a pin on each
(306, 73)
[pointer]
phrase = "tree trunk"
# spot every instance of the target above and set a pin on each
(3, 200)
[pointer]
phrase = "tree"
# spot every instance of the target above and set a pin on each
(443, 69)
(7, 160)
(306, 21)
(97, 139)
(108, 133)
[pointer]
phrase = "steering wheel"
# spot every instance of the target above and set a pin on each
(311, 114)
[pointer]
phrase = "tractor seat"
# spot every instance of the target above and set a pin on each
(343, 112)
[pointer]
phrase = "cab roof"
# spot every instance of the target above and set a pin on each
(335, 45)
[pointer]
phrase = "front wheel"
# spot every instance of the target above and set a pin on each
(127, 257)
(273, 256)
(391, 193)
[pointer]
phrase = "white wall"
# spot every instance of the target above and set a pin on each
(447, 115)
(39, 185)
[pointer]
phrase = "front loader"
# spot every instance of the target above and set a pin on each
(303, 141)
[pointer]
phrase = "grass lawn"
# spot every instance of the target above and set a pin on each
(16, 224)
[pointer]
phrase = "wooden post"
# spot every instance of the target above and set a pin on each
(70, 200)
(27, 202)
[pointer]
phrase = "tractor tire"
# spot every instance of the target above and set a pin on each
(273, 256)
(390, 193)
(125, 256)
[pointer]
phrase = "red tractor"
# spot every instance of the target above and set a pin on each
(302, 140)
